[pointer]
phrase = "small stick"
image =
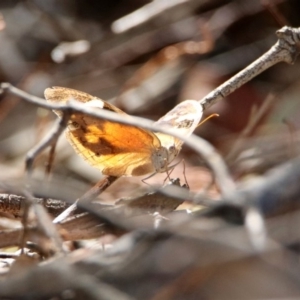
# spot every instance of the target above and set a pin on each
(143, 14)
(14, 205)
(24, 221)
(49, 164)
(97, 189)
(292, 130)
(285, 50)
(276, 14)
(91, 194)
(43, 221)
(50, 139)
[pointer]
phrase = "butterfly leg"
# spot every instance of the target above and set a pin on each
(171, 169)
(184, 175)
(144, 180)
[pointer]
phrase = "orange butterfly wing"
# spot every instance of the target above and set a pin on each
(114, 148)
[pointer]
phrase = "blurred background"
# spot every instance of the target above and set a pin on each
(145, 57)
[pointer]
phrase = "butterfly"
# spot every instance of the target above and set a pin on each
(117, 149)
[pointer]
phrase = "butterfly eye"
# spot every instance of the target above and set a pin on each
(73, 125)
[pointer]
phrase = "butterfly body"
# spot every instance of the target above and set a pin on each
(117, 149)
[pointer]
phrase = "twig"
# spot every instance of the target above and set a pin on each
(292, 132)
(49, 140)
(25, 217)
(285, 50)
(91, 194)
(143, 14)
(9, 255)
(276, 14)
(255, 225)
(14, 204)
(18, 206)
(44, 223)
(49, 163)
(97, 189)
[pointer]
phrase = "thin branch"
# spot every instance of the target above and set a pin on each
(143, 14)
(285, 50)
(275, 13)
(97, 189)
(91, 194)
(51, 157)
(13, 204)
(49, 140)
(44, 223)
(25, 219)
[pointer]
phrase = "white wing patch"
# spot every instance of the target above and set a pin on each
(183, 118)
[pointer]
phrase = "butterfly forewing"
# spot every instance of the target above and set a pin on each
(183, 118)
(114, 148)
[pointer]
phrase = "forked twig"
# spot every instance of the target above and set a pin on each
(285, 50)
(49, 140)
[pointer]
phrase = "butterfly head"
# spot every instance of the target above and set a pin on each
(160, 159)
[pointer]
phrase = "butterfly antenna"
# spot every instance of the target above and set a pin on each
(207, 118)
